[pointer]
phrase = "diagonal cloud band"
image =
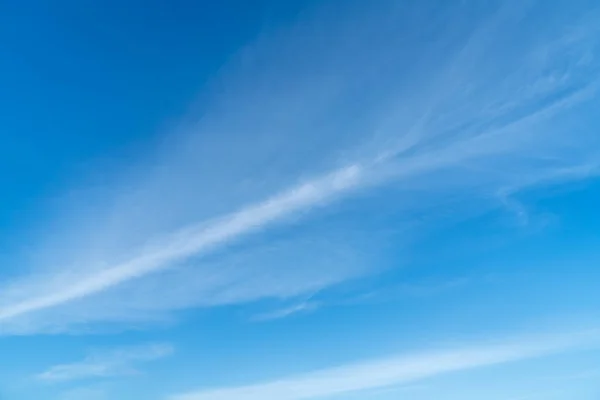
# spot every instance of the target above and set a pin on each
(193, 242)
(398, 370)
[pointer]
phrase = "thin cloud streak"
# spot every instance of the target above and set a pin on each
(304, 307)
(109, 363)
(389, 372)
(193, 241)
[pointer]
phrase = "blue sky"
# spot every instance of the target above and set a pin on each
(299, 200)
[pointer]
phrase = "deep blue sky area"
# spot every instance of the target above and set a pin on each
(103, 77)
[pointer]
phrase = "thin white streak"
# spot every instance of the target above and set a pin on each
(286, 312)
(195, 241)
(111, 363)
(388, 372)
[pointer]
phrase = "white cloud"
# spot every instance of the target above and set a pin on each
(305, 306)
(108, 363)
(470, 118)
(377, 374)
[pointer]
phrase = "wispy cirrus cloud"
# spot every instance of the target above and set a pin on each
(302, 307)
(107, 363)
(393, 371)
(289, 136)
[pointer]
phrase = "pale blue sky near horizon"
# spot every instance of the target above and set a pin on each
(299, 200)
